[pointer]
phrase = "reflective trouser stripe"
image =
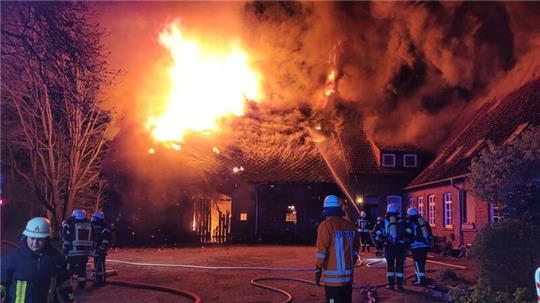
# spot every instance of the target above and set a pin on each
(20, 292)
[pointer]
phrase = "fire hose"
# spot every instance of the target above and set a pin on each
(175, 291)
(368, 290)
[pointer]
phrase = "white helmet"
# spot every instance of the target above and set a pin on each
(363, 214)
(412, 211)
(38, 227)
(392, 208)
(331, 201)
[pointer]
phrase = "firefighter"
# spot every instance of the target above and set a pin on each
(35, 272)
(420, 234)
(379, 245)
(337, 250)
(77, 235)
(101, 233)
(363, 226)
(392, 231)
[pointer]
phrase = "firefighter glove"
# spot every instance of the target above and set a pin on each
(318, 274)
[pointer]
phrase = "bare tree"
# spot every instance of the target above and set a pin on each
(53, 68)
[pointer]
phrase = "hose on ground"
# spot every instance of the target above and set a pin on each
(175, 291)
(366, 289)
(298, 269)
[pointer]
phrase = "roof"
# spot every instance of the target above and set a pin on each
(276, 169)
(496, 121)
(358, 152)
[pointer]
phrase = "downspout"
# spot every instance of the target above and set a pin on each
(460, 206)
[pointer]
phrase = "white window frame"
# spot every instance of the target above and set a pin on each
(421, 206)
(431, 211)
(414, 156)
(393, 155)
(447, 202)
(495, 215)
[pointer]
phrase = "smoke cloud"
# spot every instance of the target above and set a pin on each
(409, 68)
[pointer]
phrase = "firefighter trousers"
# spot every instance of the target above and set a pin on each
(99, 268)
(338, 294)
(77, 266)
(420, 257)
(365, 240)
(395, 262)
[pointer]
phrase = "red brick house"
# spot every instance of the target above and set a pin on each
(441, 193)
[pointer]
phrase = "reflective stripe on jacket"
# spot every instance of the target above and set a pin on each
(337, 249)
(32, 278)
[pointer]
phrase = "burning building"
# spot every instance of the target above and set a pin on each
(441, 191)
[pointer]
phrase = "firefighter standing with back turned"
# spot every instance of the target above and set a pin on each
(337, 250)
(379, 244)
(35, 272)
(392, 232)
(77, 235)
(420, 235)
(101, 233)
(364, 228)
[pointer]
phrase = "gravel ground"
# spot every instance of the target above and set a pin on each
(234, 285)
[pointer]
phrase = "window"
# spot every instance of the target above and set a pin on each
(495, 214)
(411, 201)
(388, 160)
(421, 206)
(447, 198)
(410, 160)
(431, 215)
(243, 217)
(290, 215)
(395, 200)
(516, 133)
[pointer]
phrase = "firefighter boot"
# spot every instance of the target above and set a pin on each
(390, 284)
(400, 283)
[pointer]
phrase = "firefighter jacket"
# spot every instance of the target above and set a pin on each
(36, 277)
(391, 231)
(363, 225)
(101, 234)
(419, 232)
(77, 235)
(337, 250)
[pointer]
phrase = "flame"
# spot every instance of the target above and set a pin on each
(207, 83)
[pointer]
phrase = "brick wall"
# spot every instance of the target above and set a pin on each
(477, 217)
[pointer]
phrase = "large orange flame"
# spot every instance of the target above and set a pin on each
(207, 83)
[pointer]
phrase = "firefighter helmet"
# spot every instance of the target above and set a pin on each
(37, 227)
(412, 211)
(78, 214)
(331, 201)
(392, 208)
(98, 215)
(363, 214)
